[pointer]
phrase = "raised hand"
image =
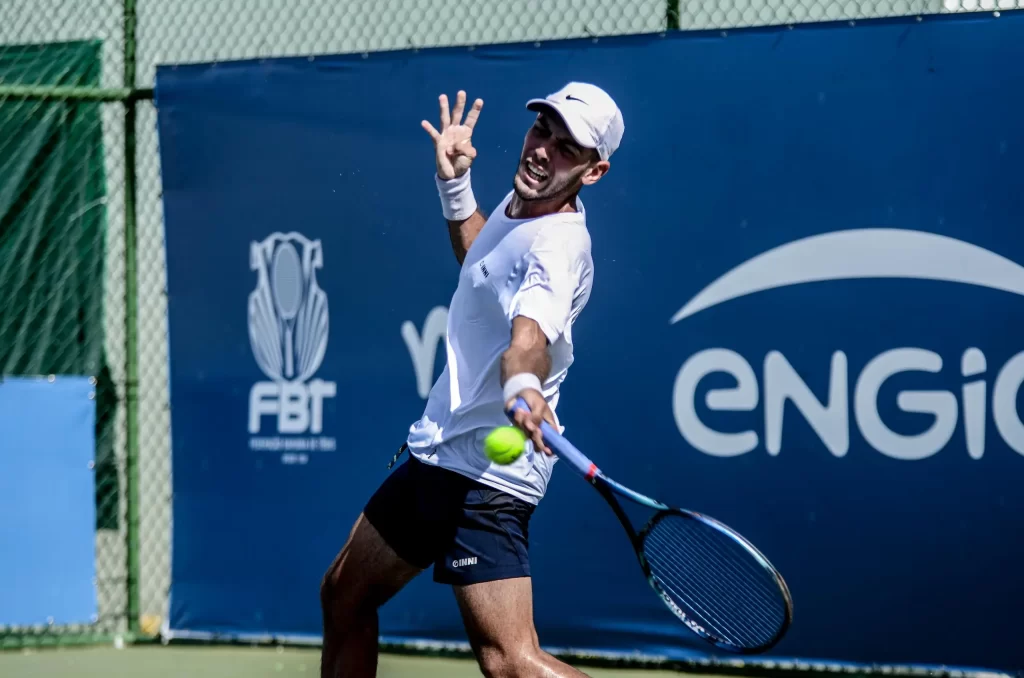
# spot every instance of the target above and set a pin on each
(454, 143)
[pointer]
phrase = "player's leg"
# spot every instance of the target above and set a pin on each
(402, 530)
(498, 616)
(365, 574)
(488, 566)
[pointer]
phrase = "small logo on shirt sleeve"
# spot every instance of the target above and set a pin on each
(483, 269)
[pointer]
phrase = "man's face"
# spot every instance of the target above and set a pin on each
(552, 164)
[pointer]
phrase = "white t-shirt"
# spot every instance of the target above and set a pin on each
(540, 268)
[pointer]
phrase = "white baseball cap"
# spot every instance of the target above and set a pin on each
(591, 116)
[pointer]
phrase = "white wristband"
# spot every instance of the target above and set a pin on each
(457, 200)
(519, 383)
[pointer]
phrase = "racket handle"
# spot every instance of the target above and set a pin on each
(562, 447)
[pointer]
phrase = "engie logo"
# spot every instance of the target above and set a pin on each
(862, 253)
(288, 327)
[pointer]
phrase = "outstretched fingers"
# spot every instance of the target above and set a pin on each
(474, 113)
(453, 116)
(434, 134)
(460, 106)
(446, 119)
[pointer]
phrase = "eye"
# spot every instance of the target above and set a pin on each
(569, 149)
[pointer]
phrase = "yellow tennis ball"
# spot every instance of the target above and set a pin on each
(150, 624)
(504, 444)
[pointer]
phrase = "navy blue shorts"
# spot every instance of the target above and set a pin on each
(469, 532)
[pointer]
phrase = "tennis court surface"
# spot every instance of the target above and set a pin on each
(232, 662)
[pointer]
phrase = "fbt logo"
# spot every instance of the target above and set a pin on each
(288, 328)
(297, 407)
(866, 253)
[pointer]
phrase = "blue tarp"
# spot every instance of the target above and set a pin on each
(47, 500)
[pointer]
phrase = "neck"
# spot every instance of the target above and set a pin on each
(531, 209)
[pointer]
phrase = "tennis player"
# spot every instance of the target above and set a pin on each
(526, 276)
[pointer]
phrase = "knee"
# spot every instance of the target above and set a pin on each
(341, 591)
(327, 590)
(498, 662)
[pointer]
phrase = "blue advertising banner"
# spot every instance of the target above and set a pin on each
(806, 322)
(47, 498)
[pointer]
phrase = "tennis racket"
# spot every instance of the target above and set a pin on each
(716, 582)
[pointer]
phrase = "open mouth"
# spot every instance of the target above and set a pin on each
(534, 172)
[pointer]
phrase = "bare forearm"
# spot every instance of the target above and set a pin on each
(517, 360)
(463, 233)
(527, 354)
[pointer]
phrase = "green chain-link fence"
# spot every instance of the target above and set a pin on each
(62, 254)
(81, 227)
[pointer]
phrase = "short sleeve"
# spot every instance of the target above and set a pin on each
(550, 280)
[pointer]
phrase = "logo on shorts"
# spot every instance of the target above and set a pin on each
(463, 562)
(288, 327)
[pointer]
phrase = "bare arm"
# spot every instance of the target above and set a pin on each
(463, 233)
(528, 353)
(454, 154)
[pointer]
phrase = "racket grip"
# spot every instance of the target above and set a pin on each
(557, 442)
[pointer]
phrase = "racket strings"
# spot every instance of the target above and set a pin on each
(718, 570)
(740, 567)
(684, 588)
(718, 588)
(716, 581)
(687, 561)
(681, 584)
(678, 582)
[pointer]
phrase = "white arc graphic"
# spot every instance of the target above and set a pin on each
(862, 253)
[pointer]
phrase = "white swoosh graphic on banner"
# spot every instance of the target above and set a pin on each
(862, 253)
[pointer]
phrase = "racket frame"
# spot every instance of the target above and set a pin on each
(609, 488)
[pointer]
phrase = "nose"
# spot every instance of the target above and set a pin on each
(542, 153)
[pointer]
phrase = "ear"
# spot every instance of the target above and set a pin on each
(596, 171)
